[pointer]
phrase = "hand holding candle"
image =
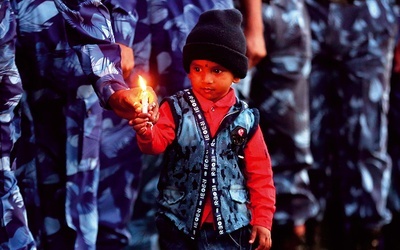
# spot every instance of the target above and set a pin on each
(144, 99)
(126, 102)
(144, 96)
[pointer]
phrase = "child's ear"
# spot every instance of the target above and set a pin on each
(236, 80)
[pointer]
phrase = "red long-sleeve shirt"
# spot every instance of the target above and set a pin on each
(258, 168)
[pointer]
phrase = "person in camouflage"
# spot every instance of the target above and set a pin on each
(14, 230)
(72, 72)
(391, 241)
(278, 87)
(352, 47)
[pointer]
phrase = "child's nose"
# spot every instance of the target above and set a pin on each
(208, 77)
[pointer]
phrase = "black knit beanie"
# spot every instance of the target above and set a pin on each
(218, 37)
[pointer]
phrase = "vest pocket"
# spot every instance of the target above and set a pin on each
(239, 193)
(172, 195)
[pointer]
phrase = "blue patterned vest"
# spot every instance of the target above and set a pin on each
(197, 165)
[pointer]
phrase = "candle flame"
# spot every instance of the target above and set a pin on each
(142, 83)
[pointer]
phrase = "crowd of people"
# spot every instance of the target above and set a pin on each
(324, 76)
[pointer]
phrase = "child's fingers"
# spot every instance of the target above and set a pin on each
(140, 128)
(142, 131)
(253, 236)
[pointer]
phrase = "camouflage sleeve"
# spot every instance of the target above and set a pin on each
(10, 85)
(89, 31)
(14, 229)
(124, 19)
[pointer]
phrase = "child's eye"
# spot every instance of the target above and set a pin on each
(197, 69)
(217, 71)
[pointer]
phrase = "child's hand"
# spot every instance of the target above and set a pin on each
(153, 110)
(141, 123)
(263, 235)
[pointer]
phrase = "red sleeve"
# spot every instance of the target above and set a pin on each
(260, 181)
(156, 139)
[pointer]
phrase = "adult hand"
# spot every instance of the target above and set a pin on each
(254, 30)
(126, 103)
(127, 60)
(256, 48)
(263, 235)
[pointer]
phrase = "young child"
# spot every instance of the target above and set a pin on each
(216, 189)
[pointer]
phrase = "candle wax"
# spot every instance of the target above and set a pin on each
(145, 101)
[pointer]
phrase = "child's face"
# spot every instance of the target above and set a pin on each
(210, 80)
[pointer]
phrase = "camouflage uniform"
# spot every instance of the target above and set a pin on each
(391, 240)
(67, 86)
(352, 45)
(14, 231)
(278, 87)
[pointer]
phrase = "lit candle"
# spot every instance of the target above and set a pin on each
(144, 95)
